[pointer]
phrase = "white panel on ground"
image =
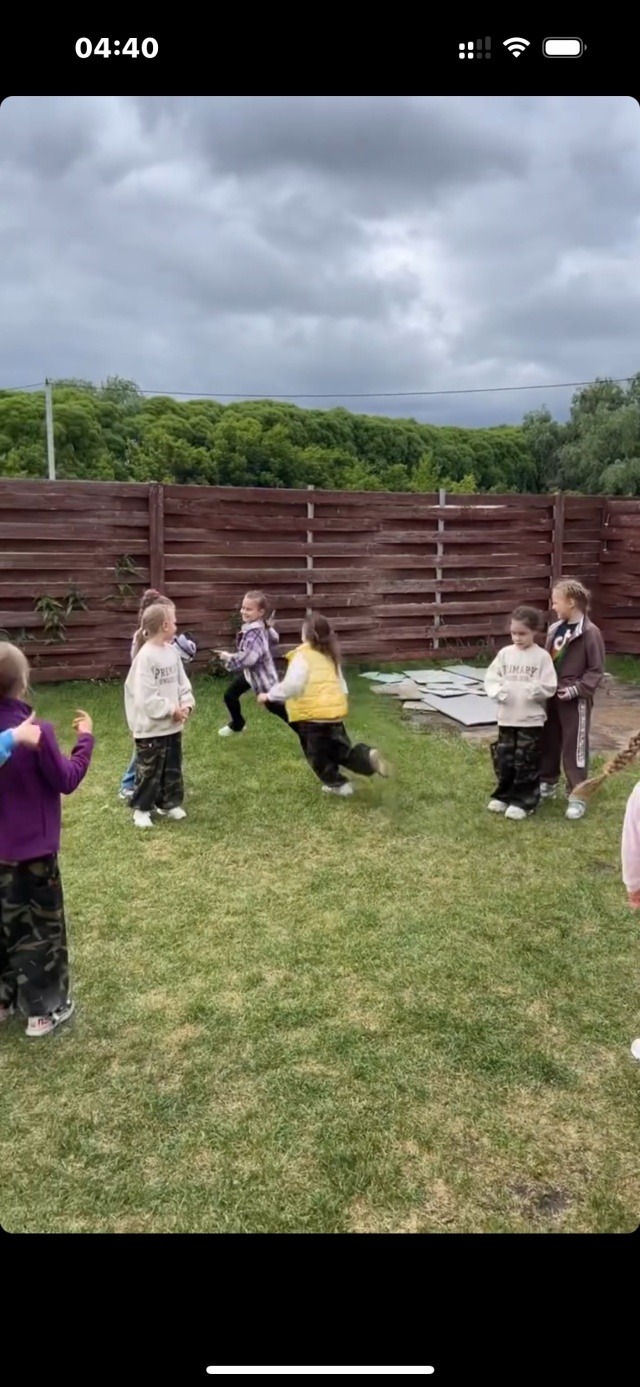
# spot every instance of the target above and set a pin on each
(384, 678)
(469, 709)
(467, 671)
(440, 676)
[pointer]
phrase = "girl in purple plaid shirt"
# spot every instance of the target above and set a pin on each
(252, 666)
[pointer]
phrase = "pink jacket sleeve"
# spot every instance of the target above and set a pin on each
(631, 848)
(62, 773)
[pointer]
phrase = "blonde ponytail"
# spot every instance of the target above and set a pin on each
(619, 762)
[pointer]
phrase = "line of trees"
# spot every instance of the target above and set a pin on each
(112, 432)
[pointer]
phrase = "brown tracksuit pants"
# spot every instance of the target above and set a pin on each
(565, 741)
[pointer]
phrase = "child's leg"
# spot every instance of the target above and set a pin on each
(356, 759)
(279, 710)
(320, 751)
(128, 781)
(525, 790)
(551, 745)
(503, 754)
(8, 980)
(150, 758)
(35, 936)
(235, 691)
(575, 719)
(171, 792)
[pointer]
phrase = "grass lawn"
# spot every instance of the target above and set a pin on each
(297, 1013)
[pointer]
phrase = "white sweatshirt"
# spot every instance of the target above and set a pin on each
(156, 684)
(296, 679)
(631, 843)
(521, 681)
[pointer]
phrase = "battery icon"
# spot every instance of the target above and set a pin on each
(563, 48)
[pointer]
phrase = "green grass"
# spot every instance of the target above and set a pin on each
(297, 1013)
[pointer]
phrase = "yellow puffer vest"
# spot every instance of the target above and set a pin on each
(323, 699)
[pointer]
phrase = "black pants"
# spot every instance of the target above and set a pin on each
(327, 749)
(159, 783)
(34, 959)
(235, 691)
(516, 762)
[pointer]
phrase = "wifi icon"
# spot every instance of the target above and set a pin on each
(516, 46)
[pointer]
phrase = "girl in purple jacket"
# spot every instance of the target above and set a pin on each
(34, 962)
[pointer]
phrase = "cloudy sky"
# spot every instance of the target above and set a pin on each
(332, 246)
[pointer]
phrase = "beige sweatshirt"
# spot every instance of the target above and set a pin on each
(521, 681)
(156, 684)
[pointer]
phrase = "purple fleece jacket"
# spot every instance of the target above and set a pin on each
(31, 784)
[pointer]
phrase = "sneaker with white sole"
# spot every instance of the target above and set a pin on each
(174, 814)
(343, 790)
(141, 820)
(496, 806)
(635, 1049)
(380, 765)
(548, 791)
(230, 732)
(577, 809)
(44, 1025)
(126, 795)
(6, 1012)
(515, 812)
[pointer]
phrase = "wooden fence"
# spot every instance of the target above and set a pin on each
(402, 577)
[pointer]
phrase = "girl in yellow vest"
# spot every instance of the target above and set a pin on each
(316, 698)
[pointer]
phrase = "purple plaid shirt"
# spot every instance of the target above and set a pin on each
(256, 646)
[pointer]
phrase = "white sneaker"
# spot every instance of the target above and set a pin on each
(343, 790)
(577, 809)
(174, 814)
(495, 806)
(635, 1049)
(142, 820)
(229, 732)
(515, 812)
(126, 795)
(44, 1025)
(547, 791)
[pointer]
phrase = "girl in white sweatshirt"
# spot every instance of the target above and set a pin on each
(158, 701)
(521, 679)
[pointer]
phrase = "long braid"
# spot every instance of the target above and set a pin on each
(619, 762)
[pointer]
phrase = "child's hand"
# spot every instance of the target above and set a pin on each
(179, 715)
(263, 699)
(563, 695)
(83, 724)
(27, 734)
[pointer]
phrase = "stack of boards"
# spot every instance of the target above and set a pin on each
(457, 692)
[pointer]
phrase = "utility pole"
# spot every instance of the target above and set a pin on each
(51, 456)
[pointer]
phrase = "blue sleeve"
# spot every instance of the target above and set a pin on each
(7, 743)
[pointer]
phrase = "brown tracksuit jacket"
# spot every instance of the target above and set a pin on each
(580, 669)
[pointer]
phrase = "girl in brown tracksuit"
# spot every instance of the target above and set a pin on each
(577, 650)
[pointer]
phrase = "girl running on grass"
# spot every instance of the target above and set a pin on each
(158, 701)
(316, 698)
(252, 666)
(34, 959)
(521, 679)
(188, 650)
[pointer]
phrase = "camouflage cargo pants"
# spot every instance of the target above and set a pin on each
(34, 960)
(159, 783)
(516, 762)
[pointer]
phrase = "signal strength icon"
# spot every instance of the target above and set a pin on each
(478, 48)
(516, 46)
